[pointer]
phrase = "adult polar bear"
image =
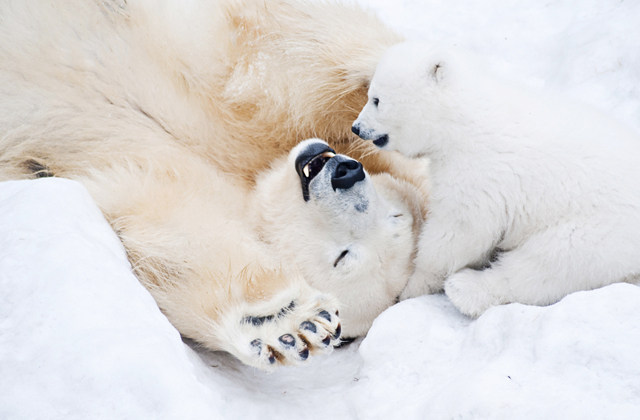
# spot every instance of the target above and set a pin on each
(167, 111)
(533, 197)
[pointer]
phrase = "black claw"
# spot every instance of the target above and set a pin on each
(304, 354)
(257, 343)
(327, 340)
(308, 325)
(324, 314)
(272, 356)
(302, 338)
(338, 331)
(287, 340)
(345, 341)
(337, 312)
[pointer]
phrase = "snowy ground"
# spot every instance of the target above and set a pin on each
(81, 339)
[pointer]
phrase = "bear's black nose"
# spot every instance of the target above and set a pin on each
(356, 130)
(346, 174)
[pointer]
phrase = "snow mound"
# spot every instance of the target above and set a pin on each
(576, 359)
(80, 337)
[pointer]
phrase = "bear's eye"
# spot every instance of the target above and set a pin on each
(376, 101)
(342, 255)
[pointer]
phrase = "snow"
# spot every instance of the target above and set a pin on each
(573, 360)
(80, 338)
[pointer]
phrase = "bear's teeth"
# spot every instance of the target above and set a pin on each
(326, 155)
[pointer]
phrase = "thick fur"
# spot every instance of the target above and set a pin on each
(234, 82)
(356, 244)
(534, 197)
(167, 111)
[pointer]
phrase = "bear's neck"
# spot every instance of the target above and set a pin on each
(483, 125)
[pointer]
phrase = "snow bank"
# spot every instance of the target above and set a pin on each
(576, 359)
(80, 338)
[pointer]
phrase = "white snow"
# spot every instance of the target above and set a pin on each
(81, 339)
(573, 360)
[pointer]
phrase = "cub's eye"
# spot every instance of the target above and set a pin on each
(376, 101)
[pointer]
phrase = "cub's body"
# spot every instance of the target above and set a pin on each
(533, 197)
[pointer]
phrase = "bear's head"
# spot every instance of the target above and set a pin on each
(409, 100)
(349, 233)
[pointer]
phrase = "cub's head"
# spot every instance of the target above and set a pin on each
(408, 100)
(350, 234)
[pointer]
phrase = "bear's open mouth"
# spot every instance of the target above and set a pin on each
(310, 163)
(313, 168)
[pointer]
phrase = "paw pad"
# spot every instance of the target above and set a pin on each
(309, 326)
(287, 340)
(284, 311)
(324, 314)
(256, 321)
(257, 344)
(291, 334)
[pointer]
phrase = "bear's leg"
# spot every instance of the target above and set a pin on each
(265, 317)
(548, 266)
(192, 246)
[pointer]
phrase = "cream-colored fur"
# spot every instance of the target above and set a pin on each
(168, 111)
(315, 234)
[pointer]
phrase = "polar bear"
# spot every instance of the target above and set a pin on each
(169, 112)
(533, 197)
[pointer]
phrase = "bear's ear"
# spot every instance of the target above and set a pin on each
(437, 71)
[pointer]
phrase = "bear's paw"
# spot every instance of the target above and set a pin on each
(291, 334)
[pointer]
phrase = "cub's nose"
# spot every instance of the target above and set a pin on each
(355, 128)
(346, 173)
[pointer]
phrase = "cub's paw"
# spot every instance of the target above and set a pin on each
(422, 283)
(472, 292)
(291, 334)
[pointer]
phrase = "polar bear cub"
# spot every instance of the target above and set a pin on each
(533, 198)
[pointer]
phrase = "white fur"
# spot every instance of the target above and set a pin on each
(376, 221)
(548, 189)
(169, 111)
